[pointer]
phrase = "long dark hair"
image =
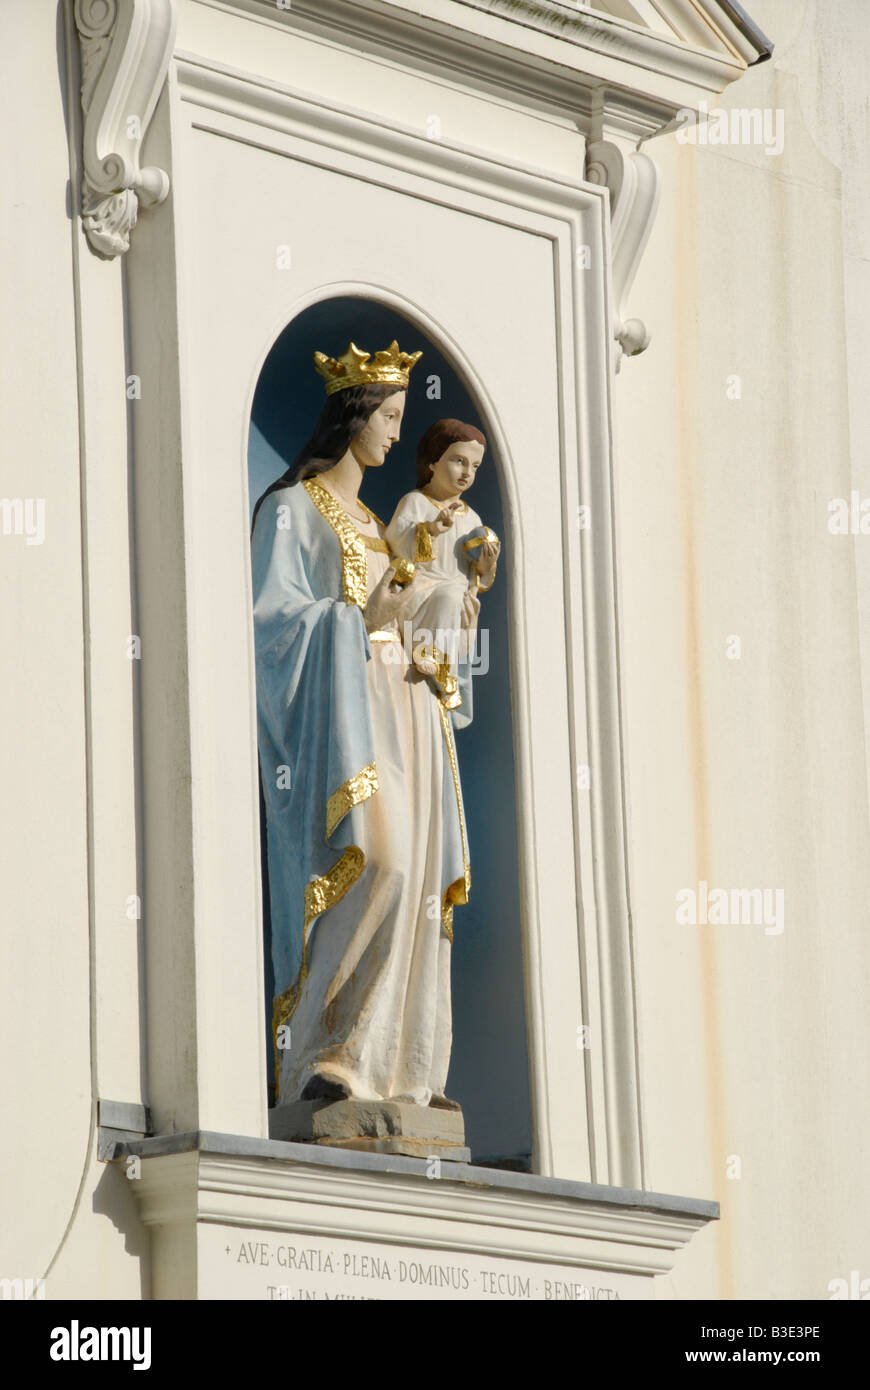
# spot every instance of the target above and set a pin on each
(344, 415)
(341, 419)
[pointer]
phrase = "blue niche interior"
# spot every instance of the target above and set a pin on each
(489, 1071)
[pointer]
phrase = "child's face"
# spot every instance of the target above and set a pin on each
(456, 469)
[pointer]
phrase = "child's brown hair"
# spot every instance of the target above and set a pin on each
(437, 440)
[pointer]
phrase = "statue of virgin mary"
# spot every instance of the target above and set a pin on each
(367, 851)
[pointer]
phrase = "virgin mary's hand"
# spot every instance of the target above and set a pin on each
(387, 601)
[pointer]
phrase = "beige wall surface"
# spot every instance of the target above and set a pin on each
(68, 846)
(44, 1016)
(746, 761)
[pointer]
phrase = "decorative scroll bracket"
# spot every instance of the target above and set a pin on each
(634, 186)
(126, 47)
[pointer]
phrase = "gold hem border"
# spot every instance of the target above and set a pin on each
(458, 891)
(320, 895)
(355, 790)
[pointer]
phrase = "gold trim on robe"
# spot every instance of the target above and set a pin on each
(323, 893)
(320, 895)
(458, 891)
(354, 790)
(354, 566)
(422, 543)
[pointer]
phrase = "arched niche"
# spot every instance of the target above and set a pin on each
(489, 1071)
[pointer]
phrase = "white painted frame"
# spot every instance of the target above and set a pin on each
(204, 958)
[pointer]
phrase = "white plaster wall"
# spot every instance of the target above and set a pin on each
(751, 772)
(745, 773)
(440, 104)
(44, 1016)
(837, 112)
(70, 421)
(64, 632)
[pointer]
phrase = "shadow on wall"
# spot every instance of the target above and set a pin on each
(489, 1072)
(113, 1197)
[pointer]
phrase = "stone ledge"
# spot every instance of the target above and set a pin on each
(218, 1202)
(467, 1174)
(441, 1149)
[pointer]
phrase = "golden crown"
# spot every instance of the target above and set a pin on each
(358, 368)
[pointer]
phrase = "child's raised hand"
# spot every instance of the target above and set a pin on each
(442, 522)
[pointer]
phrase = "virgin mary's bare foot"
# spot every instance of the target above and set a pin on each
(321, 1088)
(442, 1103)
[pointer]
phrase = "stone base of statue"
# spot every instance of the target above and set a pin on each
(375, 1126)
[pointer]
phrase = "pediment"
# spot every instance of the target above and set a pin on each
(721, 26)
(642, 59)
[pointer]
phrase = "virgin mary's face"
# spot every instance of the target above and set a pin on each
(374, 441)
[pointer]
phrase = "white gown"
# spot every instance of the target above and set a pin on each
(444, 573)
(374, 1011)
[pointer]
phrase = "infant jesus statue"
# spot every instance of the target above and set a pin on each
(454, 554)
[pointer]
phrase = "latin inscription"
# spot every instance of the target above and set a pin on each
(308, 1269)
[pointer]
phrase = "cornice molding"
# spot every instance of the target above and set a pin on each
(196, 1178)
(619, 82)
(702, 24)
(634, 185)
(563, 58)
(125, 51)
